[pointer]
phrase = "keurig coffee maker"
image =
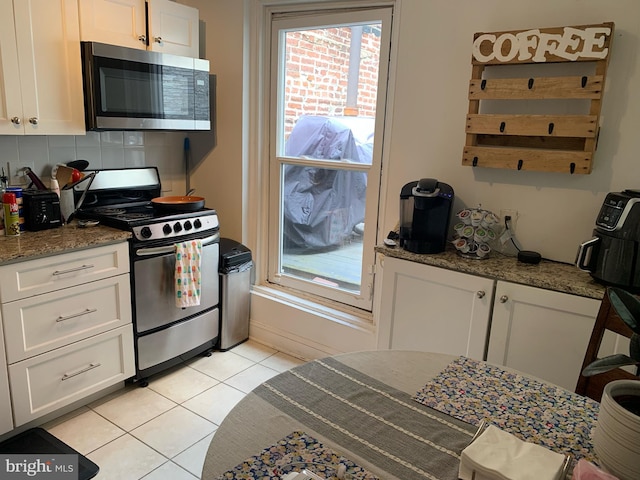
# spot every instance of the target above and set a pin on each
(612, 256)
(425, 211)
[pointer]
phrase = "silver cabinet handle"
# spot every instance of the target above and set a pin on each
(143, 38)
(16, 120)
(91, 366)
(480, 294)
(33, 120)
(71, 270)
(158, 40)
(503, 299)
(68, 317)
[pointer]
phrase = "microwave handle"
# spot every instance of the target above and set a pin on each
(585, 249)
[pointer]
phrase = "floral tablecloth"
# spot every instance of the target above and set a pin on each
(534, 411)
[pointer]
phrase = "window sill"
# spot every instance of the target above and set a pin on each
(333, 311)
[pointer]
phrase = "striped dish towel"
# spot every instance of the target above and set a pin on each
(187, 273)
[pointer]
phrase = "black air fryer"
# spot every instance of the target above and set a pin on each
(612, 256)
(425, 211)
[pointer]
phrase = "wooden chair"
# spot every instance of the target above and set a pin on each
(607, 319)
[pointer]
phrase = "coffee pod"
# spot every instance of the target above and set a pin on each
(465, 216)
(458, 227)
(489, 219)
(483, 250)
(461, 245)
(480, 235)
(491, 235)
(467, 231)
(476, 217)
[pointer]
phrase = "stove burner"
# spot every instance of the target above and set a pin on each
(109, 211)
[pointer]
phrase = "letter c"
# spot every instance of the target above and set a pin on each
(477, 54)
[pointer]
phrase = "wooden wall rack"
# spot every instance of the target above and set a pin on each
(547, 142)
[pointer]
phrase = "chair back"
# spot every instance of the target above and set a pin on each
(607, 319)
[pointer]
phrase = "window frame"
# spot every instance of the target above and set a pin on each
(278, 24)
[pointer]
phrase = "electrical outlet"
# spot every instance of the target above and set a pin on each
(514, 218)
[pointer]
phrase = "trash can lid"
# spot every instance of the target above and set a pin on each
(233, 253)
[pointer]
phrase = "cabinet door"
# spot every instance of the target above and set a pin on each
(10, 100)
(173, 28)
(48, 42)
(6, 417)
(432, 309)
(540, 332)
(117, 22)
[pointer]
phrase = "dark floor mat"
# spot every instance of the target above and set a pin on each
(39, 441)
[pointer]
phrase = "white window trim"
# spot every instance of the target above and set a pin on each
(256, 135)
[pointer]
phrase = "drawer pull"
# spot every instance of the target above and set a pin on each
(71, 270)
(86, 312)
(91, 366)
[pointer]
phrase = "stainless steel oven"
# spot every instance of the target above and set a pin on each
(155, 311)
(164, 334)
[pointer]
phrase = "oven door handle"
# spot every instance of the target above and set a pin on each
(143, 252)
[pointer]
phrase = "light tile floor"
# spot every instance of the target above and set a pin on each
(163, 431)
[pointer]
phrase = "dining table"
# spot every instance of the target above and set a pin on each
(390, 414)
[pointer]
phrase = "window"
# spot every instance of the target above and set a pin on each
(328, 94)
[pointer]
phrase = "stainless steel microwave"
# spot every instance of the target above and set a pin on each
(130, 89)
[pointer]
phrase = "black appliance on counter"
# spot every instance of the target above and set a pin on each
(41, 209)
(164, 334)
(612, 256)
(425, 212)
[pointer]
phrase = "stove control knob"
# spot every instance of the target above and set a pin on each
(197, 223)
(145, 232)
(166, 229)
(177, 227)
(187, 225)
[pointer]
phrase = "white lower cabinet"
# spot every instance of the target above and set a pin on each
(6, 420)
(433, 309)
(541, 332)
(67, 330)
(47, 382)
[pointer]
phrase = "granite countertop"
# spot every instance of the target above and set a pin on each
(29, 245)
(560, 277)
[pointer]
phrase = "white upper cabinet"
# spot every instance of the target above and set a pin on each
(159, 25)
(40, 70)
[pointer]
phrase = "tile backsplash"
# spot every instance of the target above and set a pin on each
(40, 153)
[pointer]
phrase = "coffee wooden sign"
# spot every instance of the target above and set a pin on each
(547, 142)
(574, 44)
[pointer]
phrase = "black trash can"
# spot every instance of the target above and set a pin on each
(235, 281)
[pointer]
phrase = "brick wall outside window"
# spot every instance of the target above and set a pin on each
(318, 69)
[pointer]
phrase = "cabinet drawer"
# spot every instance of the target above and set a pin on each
(41, 323)
(47, 382)
(33, 277)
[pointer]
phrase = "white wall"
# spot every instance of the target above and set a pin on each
(556, 211)
(217, 170)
